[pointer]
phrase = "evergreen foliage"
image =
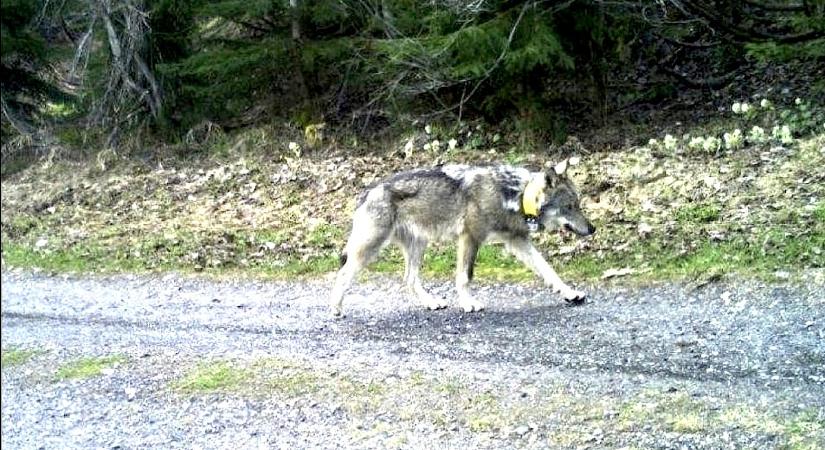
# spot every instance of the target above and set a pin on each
(357, 60)
(530, 62)
(23, 53)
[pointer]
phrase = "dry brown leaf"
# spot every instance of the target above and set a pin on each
(611, 273)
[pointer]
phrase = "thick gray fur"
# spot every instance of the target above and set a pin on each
(468, 204)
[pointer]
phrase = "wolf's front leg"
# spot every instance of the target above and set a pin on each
(527, 253)
(465, 262)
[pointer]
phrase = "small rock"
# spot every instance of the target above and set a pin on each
(522, 430)
(644, 229)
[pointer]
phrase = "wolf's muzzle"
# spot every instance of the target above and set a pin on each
(586, 232)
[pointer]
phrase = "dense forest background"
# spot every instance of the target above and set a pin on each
(94, 73)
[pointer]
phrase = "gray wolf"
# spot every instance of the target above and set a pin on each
(471, 205)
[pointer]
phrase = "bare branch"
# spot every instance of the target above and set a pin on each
(776, 7)
(130, 86)
(744, 34)
(83, 50)
(689, 44)
(712, 83)
(155, 97)
(117, 54)
(18, 123)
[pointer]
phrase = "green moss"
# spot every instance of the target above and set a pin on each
(805, 431)
(88, 367)
(698, 213)
(819, 212)
(294, 383)
(485, 413)
(17, 356)
(325, 236)
(213, 376)
(677, 412)
(311, 266)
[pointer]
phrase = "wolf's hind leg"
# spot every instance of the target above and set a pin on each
(413, 249)
(366, 240)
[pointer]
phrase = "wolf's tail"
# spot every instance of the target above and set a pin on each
(342, 259)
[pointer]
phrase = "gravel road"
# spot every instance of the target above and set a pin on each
(197, 363)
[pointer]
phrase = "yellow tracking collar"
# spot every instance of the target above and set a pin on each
(533, 197)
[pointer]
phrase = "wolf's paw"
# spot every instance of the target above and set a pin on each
(336, 307)
(573, 296)
(432, 303)
(335, 312)
(470, 304)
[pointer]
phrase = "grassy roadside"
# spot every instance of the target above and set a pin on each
(650, 260)
(662, 213)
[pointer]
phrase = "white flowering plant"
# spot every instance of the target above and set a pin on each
(734, 140)
(757, 135)
(696, 143)
(763, 121)
(711, 144)
(670, 143)
(745, 109)
(438, 137)
(782, 134)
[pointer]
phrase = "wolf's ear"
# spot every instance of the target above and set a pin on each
(554, 172)
(560, 168)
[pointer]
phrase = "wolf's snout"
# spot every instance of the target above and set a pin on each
(585, 230)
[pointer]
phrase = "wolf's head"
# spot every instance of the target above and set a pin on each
(560, 203)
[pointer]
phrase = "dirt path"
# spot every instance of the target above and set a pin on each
(203, 364)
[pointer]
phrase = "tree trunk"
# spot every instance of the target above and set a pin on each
(296, 23)
(307, 108)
